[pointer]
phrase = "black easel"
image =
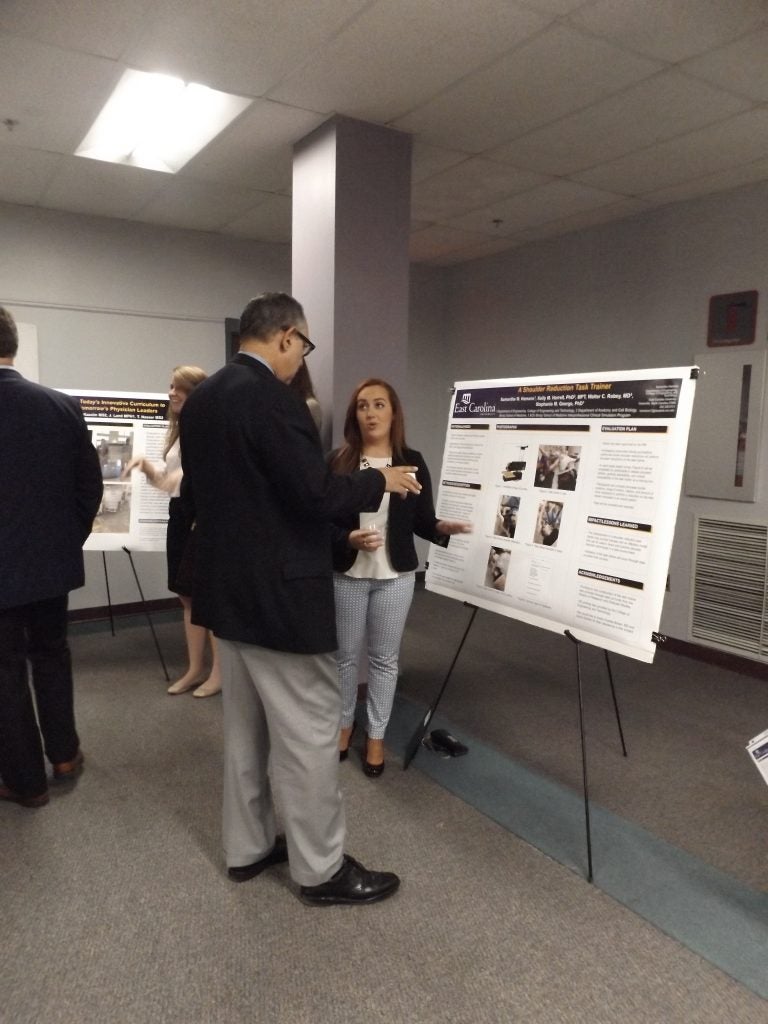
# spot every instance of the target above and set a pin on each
(415, 741)
(657, 639)
(109, 598)
(143, 606)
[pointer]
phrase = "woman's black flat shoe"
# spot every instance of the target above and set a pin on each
(373, 771)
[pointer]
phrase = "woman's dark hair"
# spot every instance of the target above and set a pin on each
(302, 383)
(347, 459)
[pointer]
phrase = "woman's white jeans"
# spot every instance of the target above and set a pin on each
(376, 610)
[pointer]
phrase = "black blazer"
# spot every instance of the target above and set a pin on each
(413, 514)
(50, 490)
(263, 498)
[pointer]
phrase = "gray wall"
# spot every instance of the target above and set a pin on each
(632, 294)
(117, 305)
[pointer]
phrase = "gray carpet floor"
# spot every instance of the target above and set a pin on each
(115, 906)
(687, 778)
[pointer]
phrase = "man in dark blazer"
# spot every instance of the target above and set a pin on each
(50, 489)
(262, 496)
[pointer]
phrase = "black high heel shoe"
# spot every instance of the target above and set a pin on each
(373, 771)
(344, 754)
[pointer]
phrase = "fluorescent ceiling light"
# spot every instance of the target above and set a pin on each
(158, 122)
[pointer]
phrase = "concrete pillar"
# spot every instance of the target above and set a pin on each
(351, 219)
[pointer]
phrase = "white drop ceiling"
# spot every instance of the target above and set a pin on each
(530, 118)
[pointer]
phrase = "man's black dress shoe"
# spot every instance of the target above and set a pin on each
(351, 884)
(66, 770)
(26, 801)
(277, 855)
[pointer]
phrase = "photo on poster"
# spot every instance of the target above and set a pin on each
(557, 466)
(114, 515)
(514, 467)
(114, 445)
(496, 568)
(548, 521)
(505, 521)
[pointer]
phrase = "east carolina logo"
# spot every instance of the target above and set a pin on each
(466, 397)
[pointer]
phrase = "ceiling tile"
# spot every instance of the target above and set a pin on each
(53, 94)
(741, 66)
(257, 150)
(428, 160)
(383, 63)
(93, 186)
(554, 74)
(739, 140)
(556, 7)
(660, 107)
(475, 182)
(238, 46)
(438, 240)
(585, 219)
(670, 29)
(500, 95)
(735, 177)
(195, 204)
(25, 173)
(97, 28)
(545, 203)
(269, 221)
(476, 251)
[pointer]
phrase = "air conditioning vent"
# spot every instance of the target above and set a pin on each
(729, 585)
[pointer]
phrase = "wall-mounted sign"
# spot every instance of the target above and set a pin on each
(732, 319)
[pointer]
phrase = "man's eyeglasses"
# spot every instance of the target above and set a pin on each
(308, 345)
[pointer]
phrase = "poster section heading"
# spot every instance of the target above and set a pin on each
(123, 426)
(572, 488)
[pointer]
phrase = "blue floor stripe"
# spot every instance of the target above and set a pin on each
(706, 910)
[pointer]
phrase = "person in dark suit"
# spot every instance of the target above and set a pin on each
(256, 481)
(50, 490)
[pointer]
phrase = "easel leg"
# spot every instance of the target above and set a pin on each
(414, 743)
(583, 757)
(109, 597)
(615, 703)
(146, 612)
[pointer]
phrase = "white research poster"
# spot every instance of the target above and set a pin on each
(572, 486)
(123, 425)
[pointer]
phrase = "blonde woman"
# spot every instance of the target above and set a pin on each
(180, 537)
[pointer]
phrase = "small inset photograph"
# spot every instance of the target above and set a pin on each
(512, 472)
(496, 568)
(114, 444)
(114, 515)
(548, 522)
(557, 466)
(517, 456)
(506, 516)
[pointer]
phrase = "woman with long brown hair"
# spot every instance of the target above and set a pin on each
(179, 544)
(375, 562)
